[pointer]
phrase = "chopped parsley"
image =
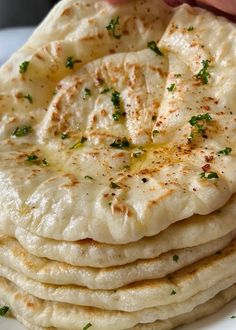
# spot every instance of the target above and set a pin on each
(178, 75)
(117, 115)
(31, 159)
(22, 131)
(155, 133)
(113, 185)
(28, 97)
(175, 258)
(209, 175)
(80, 143)
(111, 27)
(105, 90)
(23, 67)
(115, 99)
(70, 62)
(88, 177)
(87, 326)
(226, 151)
(233, 317)
(171, 88)
(203, 74)
(173, 292)
(35, 160)
(190, 28)
(120, 143)
(194, 121)
(153, 46)
(4, 310)
(65, 136)
(87, 93)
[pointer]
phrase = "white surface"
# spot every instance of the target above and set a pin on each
(11, 40)
(219, 321)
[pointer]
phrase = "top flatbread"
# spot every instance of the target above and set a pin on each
(93, 189)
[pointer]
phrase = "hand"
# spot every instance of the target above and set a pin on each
(227, 6)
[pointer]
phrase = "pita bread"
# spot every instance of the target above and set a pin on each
(46, 314)
(158, 189)
(186, 283)
(188, 233)
(12, 255)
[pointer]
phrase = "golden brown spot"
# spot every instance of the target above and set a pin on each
(120, 208)
(40, 57)
(73, 180)
(104, 113)
(67, 12)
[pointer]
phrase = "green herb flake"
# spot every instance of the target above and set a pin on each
(22, 131)
(175, 258)
(178, 75)
(233, 317)
(79, 144)
(209, 175)
(70, 62)
(173, 292)
(203, 74)
(120, 143)
(111, 27)
(28, 97)
(23, 67)
(113, 185)
(171, 88)
(153, 46)
(190, 28)
(87, 93)
(194, 121)
(117, 115)
(31, 159)
(65, 136)
(4, 310)
(87, 326)
(88, 177)
(226, 151)
(105, 90)
(115, 99)
(155, 133)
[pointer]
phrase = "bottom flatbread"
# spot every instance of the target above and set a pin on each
(210, 307)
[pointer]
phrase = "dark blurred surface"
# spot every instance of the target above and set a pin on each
(23, 12)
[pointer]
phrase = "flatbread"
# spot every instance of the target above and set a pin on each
(188, 233)
(123, 204)
(185, 283)
(46, 314)
(12, 255)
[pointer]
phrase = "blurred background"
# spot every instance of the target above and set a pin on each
(18, 18)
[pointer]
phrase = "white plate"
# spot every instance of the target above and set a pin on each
(219, 321)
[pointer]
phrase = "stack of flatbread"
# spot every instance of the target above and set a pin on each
(118, 168)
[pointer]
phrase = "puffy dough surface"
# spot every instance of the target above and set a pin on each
(161, 185)
(38, 314)
(48, 271)
(192, 232)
